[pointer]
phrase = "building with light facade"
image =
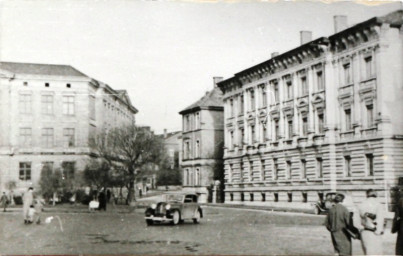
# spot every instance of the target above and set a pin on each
(48, 113)
(325, 116)
(202, 142)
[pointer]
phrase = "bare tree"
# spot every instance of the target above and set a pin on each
(128, 149)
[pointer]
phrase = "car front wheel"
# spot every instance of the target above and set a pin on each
(176, 217)
(196, 219)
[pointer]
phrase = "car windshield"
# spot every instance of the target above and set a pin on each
(175, 198)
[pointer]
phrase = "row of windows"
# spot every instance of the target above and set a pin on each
(247, 174)
(25, 169)
(47, 137)
(46, 84)
(47, 104)
(191, 122)
(187, 149)
(191, 178)
(263, 196)
(114, 109)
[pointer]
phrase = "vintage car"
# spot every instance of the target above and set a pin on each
(323, 206)
(174, 208)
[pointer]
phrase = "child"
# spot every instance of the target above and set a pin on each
(38, 210)
(31, 213)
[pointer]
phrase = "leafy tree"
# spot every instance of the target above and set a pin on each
(97, 174)
(169, 173)
(127, 149)
(50, 182)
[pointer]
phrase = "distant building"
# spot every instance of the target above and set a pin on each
(173, 145)
(48, 113)
(202, 142)
(325, 116)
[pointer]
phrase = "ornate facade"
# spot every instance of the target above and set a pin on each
(48, 113)
(322, 117)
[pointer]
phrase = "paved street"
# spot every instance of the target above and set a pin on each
(222, 231)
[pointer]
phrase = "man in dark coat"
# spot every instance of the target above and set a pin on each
(102, 200)
(398, 227)
(337, 222)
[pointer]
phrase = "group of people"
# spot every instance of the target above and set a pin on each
(31, 207)
(99, 202)
(366, 224)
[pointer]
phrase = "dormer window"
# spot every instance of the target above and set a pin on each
(25, 83)
(46, 84)
(68, 85)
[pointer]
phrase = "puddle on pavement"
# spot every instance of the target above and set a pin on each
(103, 239)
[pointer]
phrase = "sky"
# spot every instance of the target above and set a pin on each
(164, 53)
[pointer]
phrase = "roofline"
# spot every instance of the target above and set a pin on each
(187, 111)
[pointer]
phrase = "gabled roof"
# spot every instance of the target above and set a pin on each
(211, 100)
(40, 69)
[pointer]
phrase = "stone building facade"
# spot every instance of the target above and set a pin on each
(202, 142)
(322, 117)
(48, 113)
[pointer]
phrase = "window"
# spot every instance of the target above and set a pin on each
(25, 103)
(197, 177)
(68, 170)
(187, 149)
(320, 84)
(197, 120)
(370, 164)
(289, 170)
(231, 195)
(197, 153)
(25, 136)
(230, 172)
(276, 92)
(289, 90)
(347, 114)
(47, 137)
(242, 197)
(275, 169)
(250, 171)
(252, 100)
(347, 166)
(68, 105)
(231, 140)
(251, 197)
(370, 116)
(303, 169)
(275, 197)
(277, 129)
(305, 126)
(320, 123)
(304, 197)
(253, 133)
(348, 79)
(241, 136)
(68, 85)
(231, 107)
(241, 170)
(262, 170)
(290, 129)
(25, 171)
(69, 138)
(319, 167)
(264, 132)
(47, 104)
(46, 84)
(263, 197)
(241, 105)
(304, 86)
(289, 194)
(92, 107)
(264, 97)
(369, 67)
(187, 124)
(186, 177)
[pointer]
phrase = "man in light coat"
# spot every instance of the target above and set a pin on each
(370, 222)
(27, 200)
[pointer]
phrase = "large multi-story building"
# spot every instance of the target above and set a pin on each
(325, 116)
(203, 140)
(48, 113)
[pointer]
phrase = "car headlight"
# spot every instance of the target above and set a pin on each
(168, 206)
(153, 206)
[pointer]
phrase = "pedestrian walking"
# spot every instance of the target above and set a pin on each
(102, 200)
(371, 224)
(397, 227)
(4, 201)
(338, 222)
(27, 202)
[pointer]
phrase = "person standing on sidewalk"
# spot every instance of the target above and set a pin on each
(28, 200)
(398, 227)
(337, 222)
(4, 201)
(371, 224)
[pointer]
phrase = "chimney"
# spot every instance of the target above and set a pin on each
(165, 133)
(274, 54)
(305, 36)
(340, 23)
(217, 79)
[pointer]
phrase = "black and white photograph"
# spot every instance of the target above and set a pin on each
(201, 127)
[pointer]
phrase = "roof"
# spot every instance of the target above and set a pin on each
(212, 99)
(40, 69)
